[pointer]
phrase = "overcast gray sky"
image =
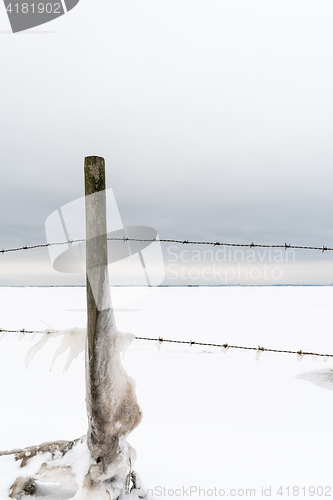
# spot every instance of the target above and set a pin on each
(214, 117)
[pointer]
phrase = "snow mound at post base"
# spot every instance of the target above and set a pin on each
(39, 470)
(97, 475)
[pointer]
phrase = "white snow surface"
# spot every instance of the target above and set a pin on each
(211, 420)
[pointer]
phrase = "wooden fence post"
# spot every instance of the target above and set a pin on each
(113, 411)
(96, 248)
(100, 321)
(112, 408)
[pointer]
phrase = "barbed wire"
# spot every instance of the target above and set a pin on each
(23, 330)
(224, 347)
(286, 246)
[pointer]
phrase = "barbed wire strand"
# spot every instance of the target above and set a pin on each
(160, 340)
(286, 246)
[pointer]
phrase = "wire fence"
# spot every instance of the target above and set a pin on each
(286, 246)
(224, 347)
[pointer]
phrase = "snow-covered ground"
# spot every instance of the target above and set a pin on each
(224, 423)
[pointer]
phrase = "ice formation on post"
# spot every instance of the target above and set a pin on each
(99, 465)
(112, 408)
(71, 463)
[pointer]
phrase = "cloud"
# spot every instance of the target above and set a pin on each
(214, 118)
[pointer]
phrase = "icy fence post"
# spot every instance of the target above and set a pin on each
(113, 411)
(98, 465)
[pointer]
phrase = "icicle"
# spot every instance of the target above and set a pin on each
(159, 343)
(300, 355)
(34, 335)
(65, 344)
(74, 340)
(258, 352)
(325, 358)
(224, 348)
(127, 339)
(21, 334)
(77, 340)
(2, 334)
(314, 357)
(37, 347)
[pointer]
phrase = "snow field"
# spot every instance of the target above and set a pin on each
(219, 422)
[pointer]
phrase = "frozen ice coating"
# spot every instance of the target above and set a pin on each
(70, 462)
(37, 347)
(104, 466)
(112, 408)
(258, 352)
(300, 355)
(74, 340)
(159, 344)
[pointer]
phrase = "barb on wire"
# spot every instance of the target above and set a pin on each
(182, 242)
(259, 351)
(225, 347)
